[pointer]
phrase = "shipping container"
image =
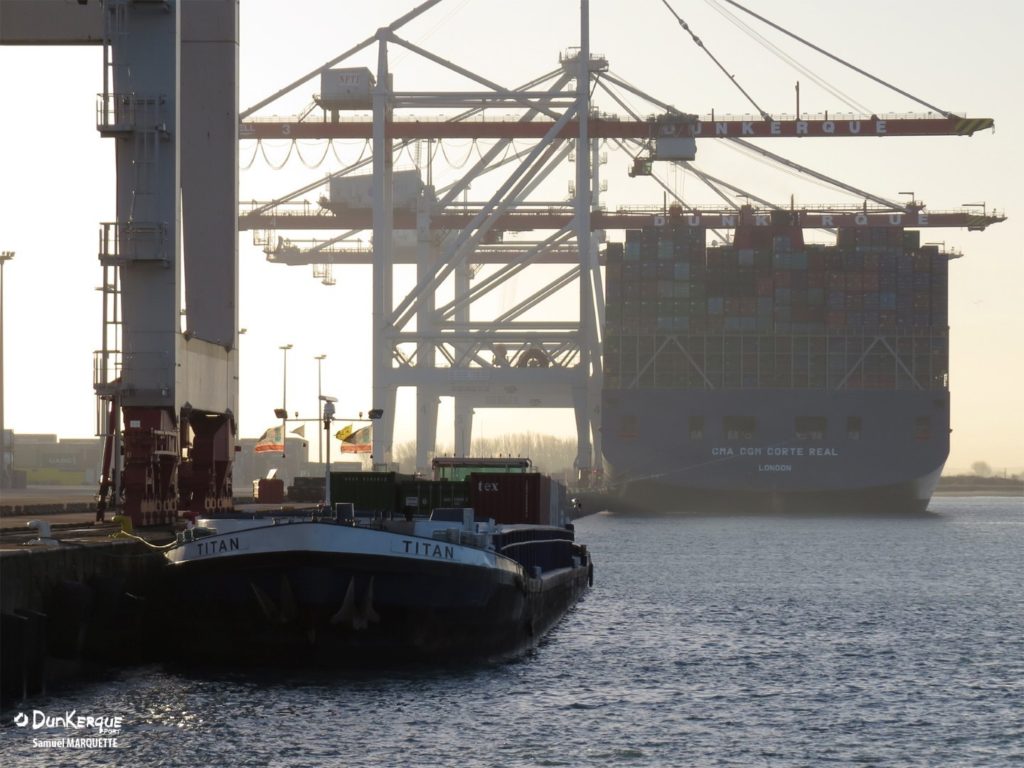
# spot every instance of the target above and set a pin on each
(268, 490)
(767, 289)
(419, 496)
(370, 492)
(511, 499)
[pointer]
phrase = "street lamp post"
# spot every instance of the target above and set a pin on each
(284, 398)
(320, 396)
(328, 402)
(5, 256)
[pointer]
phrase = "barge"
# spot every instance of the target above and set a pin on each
(350, 587)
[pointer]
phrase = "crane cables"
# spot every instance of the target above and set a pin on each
(247, 166)
(754, 154)
(781, 54)
(452, 163)
(312, 166)
(845, 63)
(263, 151)
(700, 44)
(362, 152)
(294, 146)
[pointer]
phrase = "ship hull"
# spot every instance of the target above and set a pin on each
(878, 452)
(333, 595)
(652, 498)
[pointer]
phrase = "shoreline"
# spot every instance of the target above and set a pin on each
(73, 509)
(1007, 493)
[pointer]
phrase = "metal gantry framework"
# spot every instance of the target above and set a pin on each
(166, 374)
(439, 346)
(170, 103)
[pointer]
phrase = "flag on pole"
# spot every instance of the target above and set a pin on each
(300, 430)
(344, 432)
(360, 435)
(358, 441)
(272, 441)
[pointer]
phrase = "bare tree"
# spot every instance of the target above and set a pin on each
(981, 469)
(549, 454)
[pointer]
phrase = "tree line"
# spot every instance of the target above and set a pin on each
(551, 455)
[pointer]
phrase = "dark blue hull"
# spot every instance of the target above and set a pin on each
(341, 610)
(752, 450)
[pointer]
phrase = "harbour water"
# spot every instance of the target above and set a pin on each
(706, 641)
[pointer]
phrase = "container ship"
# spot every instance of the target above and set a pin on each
(770, 374)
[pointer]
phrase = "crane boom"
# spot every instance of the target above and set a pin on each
(612, 128)
(457, 219)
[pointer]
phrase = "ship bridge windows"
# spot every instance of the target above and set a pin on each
(811, 427)
(853, 427)
(696, 427)
(739, 427)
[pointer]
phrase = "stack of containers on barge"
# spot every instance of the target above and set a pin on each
(771, 374)
(503, 489)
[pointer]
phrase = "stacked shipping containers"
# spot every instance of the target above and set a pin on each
(505, 497)
(768, 311)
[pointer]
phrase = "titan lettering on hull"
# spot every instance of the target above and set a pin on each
(217, 547)
(424, 549)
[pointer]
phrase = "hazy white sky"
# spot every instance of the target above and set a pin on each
(56, 180)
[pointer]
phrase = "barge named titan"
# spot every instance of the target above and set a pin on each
(370, 583)
(772, 375)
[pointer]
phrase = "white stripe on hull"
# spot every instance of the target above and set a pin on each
(330, 538)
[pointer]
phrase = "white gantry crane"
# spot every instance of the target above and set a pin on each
(169, 100)
(435, 337)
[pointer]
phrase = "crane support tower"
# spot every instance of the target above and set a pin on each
(167, 372)
(436, 346)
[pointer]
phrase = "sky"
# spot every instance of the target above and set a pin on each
(57, 181)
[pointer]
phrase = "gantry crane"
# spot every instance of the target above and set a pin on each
(167, 374)
(169, 100)
(506, 361)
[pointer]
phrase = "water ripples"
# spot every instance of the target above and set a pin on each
(706, 641)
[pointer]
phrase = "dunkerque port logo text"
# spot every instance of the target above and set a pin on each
(99, 730)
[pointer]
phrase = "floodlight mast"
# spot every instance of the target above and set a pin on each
(327, 417)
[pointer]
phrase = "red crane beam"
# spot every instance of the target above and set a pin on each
(298, 257)
(527, 221)
(603, 128)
